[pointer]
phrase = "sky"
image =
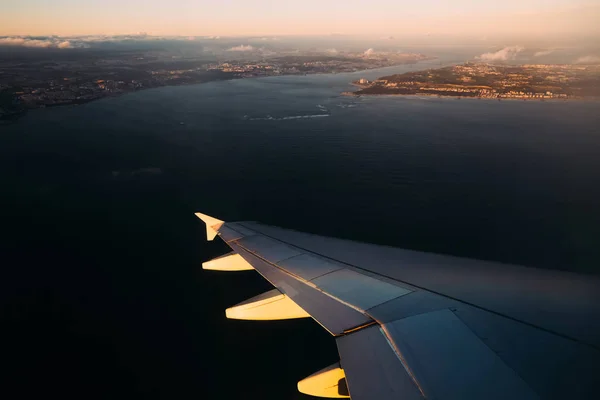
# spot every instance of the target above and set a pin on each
(307, 17)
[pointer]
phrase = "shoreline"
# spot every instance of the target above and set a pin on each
(13, 118)
(491, 82)
(78, 102)
(420, 95)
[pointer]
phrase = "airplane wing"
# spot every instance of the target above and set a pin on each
(414, 325)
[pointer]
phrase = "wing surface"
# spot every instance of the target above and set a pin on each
(415, 325)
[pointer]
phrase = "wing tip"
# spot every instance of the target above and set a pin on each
(212, 225)
(208, 219)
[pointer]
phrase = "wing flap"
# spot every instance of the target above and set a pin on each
(449, 361)
(554, 367)
(373, 370)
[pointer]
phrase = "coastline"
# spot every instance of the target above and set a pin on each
(14, 117)
(544, 82)
(428, 95)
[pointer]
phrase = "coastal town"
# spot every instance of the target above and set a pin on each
(46, 84)
(530, 81)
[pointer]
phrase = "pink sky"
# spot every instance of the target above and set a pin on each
(265, 17)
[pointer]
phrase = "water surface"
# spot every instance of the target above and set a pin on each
(103, 251)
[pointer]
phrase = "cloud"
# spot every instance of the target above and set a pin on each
(87, 41)
(369, 52)
(25, 42)
(42, 42)
(590, 59)
(331, 51)
(241, 47)
(543, 52)
(65, 45)
(507, 53)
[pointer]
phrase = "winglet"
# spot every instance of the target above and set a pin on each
(212, 225)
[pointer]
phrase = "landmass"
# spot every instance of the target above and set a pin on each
(61, 78)
(532, 81)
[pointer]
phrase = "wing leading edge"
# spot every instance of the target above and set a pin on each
(422, 326)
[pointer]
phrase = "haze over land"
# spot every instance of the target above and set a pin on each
(544, 31)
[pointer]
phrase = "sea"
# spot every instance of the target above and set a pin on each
(103, 295)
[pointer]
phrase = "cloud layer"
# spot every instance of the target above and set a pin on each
(83, 42)
(505, 54)
(42, 43)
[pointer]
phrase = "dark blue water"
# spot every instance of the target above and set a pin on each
(103, 294)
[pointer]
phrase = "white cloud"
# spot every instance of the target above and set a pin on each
(505, 54)
(45, 43)
(241, 47)
(331, 51)
(369, 52)
(25, 42)
(7, 41)
(543, 52)
(64, 45)
(588, 60)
